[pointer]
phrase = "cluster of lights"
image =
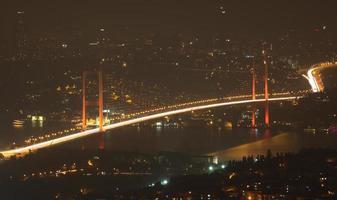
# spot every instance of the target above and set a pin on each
(72, 170)
(211, 168)
(48, 136)
(163, 108)
(187, 104)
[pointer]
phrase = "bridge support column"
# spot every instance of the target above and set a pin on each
(266, 94)
(84, 113)
(253, 98)
(100, 99)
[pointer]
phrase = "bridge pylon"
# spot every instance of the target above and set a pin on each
(85, 103)
(253, 97)
(266, 92)
(100, 99)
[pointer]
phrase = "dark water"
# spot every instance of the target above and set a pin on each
(191, 140)
(223, 143)
(11, 133)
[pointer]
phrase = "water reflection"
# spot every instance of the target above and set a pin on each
(284, 142)
(191, 140)
(101, 144)
(37, 124)
(266, 134)
(225, 144)
(159, 130)
(18, 124)
(254, 134)
(17, 131)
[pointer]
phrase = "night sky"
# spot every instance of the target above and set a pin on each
(243, 18)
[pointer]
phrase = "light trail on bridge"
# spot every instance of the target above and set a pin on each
(314, 79)
(25, 150)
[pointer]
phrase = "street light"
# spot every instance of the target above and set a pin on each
(164, 182)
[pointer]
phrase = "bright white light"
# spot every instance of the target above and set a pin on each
(164, 182)
(312, 80)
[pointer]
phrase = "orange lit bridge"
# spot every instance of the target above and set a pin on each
(161, 112)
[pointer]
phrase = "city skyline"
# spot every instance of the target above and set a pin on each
(146, 99)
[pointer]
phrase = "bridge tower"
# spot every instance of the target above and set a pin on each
(100, 99)
(99, 103)
(253, 97)
(84, 102)
(266, 92)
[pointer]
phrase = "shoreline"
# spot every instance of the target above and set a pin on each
(275, 143)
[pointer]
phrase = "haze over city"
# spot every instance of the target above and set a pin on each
(145, 99)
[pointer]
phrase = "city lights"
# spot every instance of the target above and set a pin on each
(167, 99)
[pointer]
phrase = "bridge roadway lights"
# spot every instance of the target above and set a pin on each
(314, 79)
(25, 150)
